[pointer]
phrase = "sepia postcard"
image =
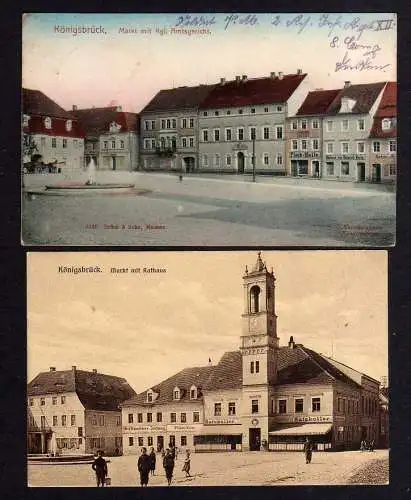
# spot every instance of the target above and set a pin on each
(209, 129)
(207, 368)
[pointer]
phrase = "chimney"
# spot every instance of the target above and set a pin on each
(280, 75)
(272, 74)
(52, 368)
(222, 81)
(209, 362)
(94, 370)
(74, 107)
(244, 78)
(347, 83)
(237, 78)
(299, 71)
(291, 343)
(74, 368)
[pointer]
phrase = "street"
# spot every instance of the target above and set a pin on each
(211, 211)
(231, 469)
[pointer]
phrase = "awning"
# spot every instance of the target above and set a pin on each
(302, 430)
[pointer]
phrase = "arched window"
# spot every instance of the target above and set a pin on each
(69, 125)
(47, 122)
(255, 299)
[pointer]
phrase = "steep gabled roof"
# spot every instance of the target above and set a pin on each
(317, 102)
(253, 91)
(96, 121)
(365, 95)
(386, 109)
(227, 374)
(184, 379)
(34, 102)
(180, 98)
(96, 391)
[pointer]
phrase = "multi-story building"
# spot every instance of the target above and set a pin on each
(384, 427)
(75, 411)
(243, 120)
(169, 129)
(111, 137)
(57, 135)
(346, 130)
(262, 396)
(383, 138)
(304, 134)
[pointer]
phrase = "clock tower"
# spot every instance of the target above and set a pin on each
(259, 347)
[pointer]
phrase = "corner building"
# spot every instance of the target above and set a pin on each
(261, 397)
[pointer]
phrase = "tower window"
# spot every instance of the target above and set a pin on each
(252, 367)
(255, 299)
(257, 367)
(254, 406)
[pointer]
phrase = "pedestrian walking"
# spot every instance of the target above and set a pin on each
(308, 451)
(168, 464)
(372, 445)
(363, 445)
(100, 468)
(187, 464)
(144, 464)
(152, 461)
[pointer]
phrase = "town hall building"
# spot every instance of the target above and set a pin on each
(262, 396)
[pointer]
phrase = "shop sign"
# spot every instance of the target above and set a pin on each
(183, 428)
(240, 146)
(304, 154)
(345, 157)
(316, 418)
(218, 421)
(145, 428)
(387, 155)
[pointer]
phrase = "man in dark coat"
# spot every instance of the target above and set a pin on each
(152, 461)
(168, 464)
(143, 465)
(100, 468)
(308, 451)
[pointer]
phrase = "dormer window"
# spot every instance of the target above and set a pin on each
(69, 125)
(347, 105)
(193, 392)
(26, 119)
(114, 127)
(151, 396)
(386, 124)
(176, 393)
(47, 122)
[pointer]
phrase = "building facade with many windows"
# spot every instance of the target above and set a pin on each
(169, 129)
(243, 120)
(262, 396)
(75, 411)
(57, 135)
(346, 128)
(383, 138)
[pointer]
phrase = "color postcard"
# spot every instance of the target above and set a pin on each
(209, 368)
(209, 129)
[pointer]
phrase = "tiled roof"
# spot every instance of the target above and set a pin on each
(180, 98)
(317, 102)
(227, 374)
(386, 109)
(184, 379)
(35, 102)
(96, 391)
(253, 91)
(364, 94)
(96, 121)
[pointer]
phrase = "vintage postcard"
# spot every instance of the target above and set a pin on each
(208, 368)
(209, 129)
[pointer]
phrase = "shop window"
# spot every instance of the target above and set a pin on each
(345, 168)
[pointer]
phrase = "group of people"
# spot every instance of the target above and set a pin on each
(370, 445)
(146, 464)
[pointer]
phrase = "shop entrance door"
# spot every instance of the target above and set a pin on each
(361, 172)
(255, 439)
(160, 443)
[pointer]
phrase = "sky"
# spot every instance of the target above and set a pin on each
(147, 326)
(128, 69)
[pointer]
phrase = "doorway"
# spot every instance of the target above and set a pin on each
(255, 439)
(361, 172)
(316, 169)
(160, 443)
(114, 163)
(189, 163)
(376, 173)
(172, 440)
(240, 162)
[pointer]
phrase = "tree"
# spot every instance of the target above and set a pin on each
(29, 146)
